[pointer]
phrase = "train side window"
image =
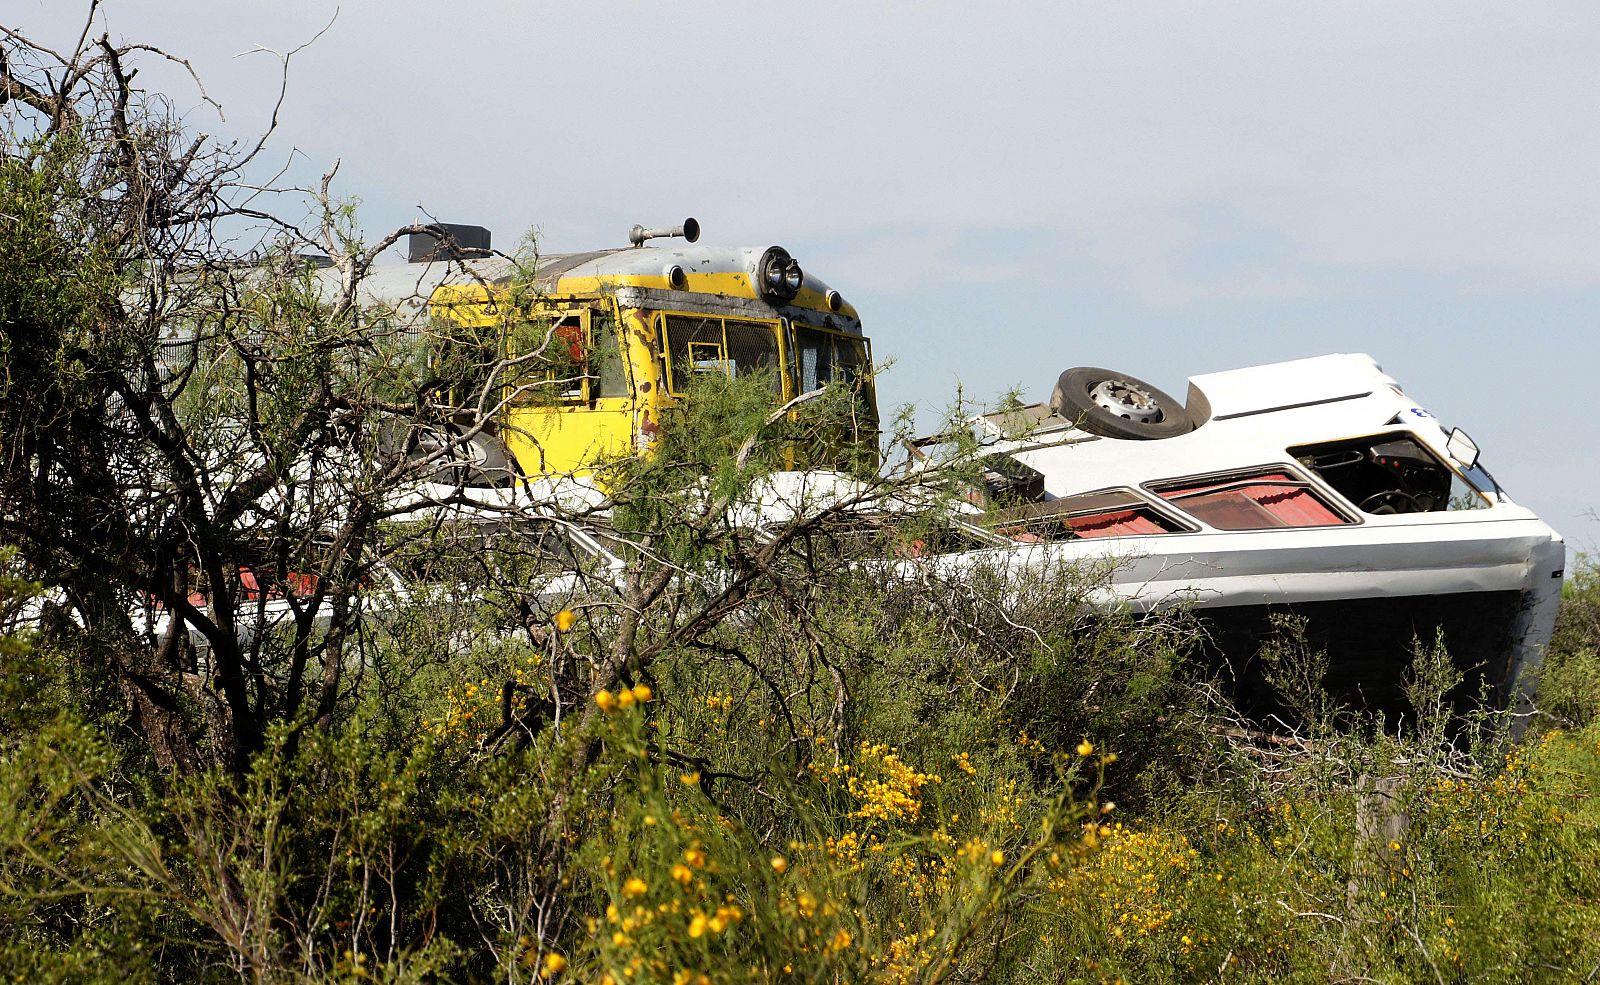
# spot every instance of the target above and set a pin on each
(558, 345)
(606, 362)
(814, 358)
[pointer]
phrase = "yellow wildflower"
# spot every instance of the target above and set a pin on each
(554, 964)
(606, 701)
(1085, 748)
(634, 887)
(780, 865)
(565, 620)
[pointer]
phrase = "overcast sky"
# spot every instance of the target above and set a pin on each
(1007, 190)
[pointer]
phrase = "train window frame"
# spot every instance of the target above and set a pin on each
(664, 331)
(539, 390)
(835, 337)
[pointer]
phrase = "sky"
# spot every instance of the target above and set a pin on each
(1004, 190)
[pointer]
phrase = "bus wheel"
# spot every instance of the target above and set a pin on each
(1117, 405)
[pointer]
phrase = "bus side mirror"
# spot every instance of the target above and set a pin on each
(1462, 448)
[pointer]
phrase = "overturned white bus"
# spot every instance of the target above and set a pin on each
(1316, 488)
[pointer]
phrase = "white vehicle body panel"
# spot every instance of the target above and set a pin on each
(1261, 567)
(554, 503)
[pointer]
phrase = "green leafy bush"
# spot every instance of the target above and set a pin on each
(1567, 681)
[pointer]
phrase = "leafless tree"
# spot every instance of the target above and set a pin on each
(198, 425)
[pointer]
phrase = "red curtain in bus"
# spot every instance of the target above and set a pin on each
(1117, 524)
(1255, 507)
(1296, 507)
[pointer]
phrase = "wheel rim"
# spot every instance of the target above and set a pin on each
(1126, 401)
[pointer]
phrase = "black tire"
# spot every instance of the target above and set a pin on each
(481, 461)
(1144, 414)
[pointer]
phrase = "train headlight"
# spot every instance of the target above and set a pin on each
(778, 276)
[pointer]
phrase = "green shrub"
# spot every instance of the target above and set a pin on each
(1567, 681)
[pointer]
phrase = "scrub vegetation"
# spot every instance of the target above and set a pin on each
(757, 752)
